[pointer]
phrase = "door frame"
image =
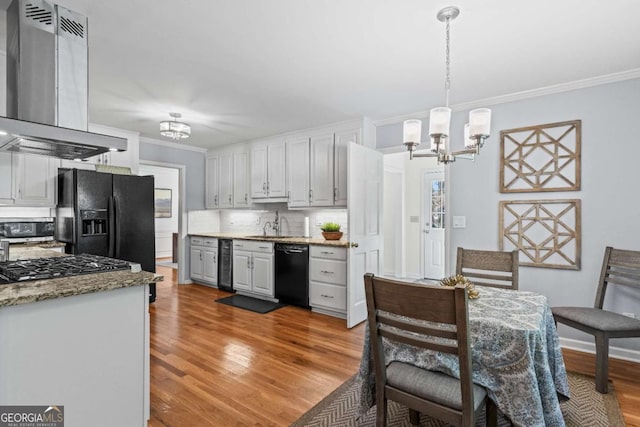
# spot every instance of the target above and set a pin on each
(182, 230)
(423, 251)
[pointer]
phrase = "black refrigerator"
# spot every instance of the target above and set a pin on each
(106, 214)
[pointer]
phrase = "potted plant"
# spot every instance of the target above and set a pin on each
(331, 231)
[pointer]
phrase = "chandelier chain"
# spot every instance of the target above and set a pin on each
(447, 81)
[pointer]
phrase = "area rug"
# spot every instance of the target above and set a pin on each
(252, 304)
(586, 407)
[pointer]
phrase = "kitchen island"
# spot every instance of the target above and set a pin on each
(81, 342)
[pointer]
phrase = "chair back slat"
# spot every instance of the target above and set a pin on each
(417, 328)
(480, 267)
(418, 341)
(619, 267)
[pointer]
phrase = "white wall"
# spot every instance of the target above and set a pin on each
(609, 194)
(167, 178)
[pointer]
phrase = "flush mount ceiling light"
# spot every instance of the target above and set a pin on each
(175, 129)
(475, 132)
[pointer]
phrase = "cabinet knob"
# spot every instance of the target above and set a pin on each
(353, 244)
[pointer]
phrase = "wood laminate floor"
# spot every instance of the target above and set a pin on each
(216, 365)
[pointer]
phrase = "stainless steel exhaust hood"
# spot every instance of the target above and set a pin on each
(47, 84)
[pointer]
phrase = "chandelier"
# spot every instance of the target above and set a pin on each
(175, 129)
(475, 132)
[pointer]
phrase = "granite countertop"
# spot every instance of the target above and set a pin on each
(44, 245)
(39, 290)
(29, 252)
(283, 239)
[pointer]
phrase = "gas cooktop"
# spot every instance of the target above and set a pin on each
(50, 268)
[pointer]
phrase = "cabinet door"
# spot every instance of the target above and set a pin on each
(276, 182)
(321, 172)
(241, 180)
(34, 180)
(212, 183)
(298, 172)
(197, 263)
(210, 271)
(259, 171)
(263, 274)
(226, 181)
(6, 179)
(341, 164)
(242, 270)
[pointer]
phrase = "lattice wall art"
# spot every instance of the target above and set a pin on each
(540, 158)
(546, 232)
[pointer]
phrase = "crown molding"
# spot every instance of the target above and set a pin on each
(174, 145)
(526, 94)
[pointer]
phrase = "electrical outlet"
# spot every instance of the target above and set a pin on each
(632, 315)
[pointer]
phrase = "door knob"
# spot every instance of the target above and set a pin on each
(353, 244)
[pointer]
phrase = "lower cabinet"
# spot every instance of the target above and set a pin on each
(328, 279)
(204, 260)
(253, 268)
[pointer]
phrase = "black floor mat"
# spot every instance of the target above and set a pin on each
(252, 304)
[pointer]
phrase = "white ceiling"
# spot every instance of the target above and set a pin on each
(243, 69)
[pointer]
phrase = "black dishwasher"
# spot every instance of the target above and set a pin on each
(292, 274)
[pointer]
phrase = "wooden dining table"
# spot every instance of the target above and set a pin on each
(515, 353)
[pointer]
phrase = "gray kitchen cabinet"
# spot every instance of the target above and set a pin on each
(27, 180)
(253, 268)
(204, 260)
(227, 179)
(341, 164)
(328, 280)
(298, 171)
(268, 180)
(321, 171)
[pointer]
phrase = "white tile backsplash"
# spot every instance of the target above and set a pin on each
(26, 212)
(291, 222)
(203, 221)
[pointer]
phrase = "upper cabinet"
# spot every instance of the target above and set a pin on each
(27, 180)
(227, 174)
(317, 168)
(128, 159)
(268, 180)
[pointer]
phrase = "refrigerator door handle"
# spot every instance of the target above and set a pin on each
(112, 227)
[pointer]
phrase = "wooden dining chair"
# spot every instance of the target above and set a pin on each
(489, 268)
(620, 267)
(455, 401)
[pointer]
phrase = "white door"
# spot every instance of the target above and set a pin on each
(212, 182)
(196, 263)
(263, 274)
(321, 170)
(277, 183)
(259, 171)
(210, 271)
(298, 172)
(241, 179)
(226, 180)
(340, 164)
(433, 222)
(365, 226)
(6, 179)
(242, 270)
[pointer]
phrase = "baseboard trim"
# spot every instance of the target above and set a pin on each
(589, 347)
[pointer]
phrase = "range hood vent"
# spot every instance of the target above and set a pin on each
(47, 84)
(20, 136)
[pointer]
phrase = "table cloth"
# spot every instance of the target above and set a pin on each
(515, 353)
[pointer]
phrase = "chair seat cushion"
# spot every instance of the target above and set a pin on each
(433, 386)
(599, 320)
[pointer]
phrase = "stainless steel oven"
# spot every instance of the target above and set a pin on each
(20, 230)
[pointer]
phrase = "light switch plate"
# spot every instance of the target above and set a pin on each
(459, 222)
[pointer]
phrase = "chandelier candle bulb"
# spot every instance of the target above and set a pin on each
(480, 122)
(439, 120)
(412, 130)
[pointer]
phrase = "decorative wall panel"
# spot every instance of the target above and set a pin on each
(547, 233)
(541, 158)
